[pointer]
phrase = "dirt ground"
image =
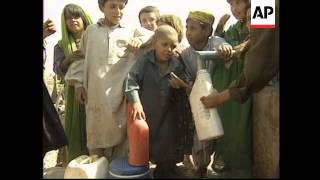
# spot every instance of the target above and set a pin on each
(50, 159)
(49, 169)
(52, 172)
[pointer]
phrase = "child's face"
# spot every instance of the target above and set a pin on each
(149, 21)
(113, 11)
(74, 24)
(165, 46)
(238, 9)
(195, 33)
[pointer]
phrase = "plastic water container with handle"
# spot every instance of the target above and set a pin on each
(207, 120)
(87, 167)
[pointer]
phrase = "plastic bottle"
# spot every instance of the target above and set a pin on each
(207, 121)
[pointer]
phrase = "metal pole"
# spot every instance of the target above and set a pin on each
(209, 55)
(204, 55)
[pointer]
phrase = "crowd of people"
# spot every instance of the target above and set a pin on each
(104, 66)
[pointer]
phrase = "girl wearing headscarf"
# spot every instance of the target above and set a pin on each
(74, 21)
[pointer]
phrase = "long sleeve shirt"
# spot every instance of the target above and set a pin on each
(106, 64)
(147, 84)
(261, 62)
(57, 60)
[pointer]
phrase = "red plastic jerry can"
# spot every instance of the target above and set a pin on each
(138, 134)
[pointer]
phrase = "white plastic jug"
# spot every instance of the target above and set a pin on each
(87, 167)
(207, 121)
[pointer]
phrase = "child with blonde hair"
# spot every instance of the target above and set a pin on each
(185, 121)
(148, 89)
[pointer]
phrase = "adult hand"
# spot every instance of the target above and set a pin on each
(215, 99)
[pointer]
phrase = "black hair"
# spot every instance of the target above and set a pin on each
(205, 25)
(73, 10)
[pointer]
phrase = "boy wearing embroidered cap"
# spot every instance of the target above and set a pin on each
(202, 16)
(199, 35)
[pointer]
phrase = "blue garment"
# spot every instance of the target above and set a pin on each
(57, 60)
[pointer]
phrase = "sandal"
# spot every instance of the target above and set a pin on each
(218, 166)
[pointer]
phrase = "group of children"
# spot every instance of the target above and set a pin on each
(108, 66)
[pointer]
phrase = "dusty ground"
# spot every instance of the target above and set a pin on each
(50, 159)
(49, 163)
(52, 172)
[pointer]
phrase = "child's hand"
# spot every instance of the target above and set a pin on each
(81, 95)
(223, 20)
(137, 111)
(48, 28)
(177, 52)
(75, 56)
(226, 50)
(134, 45)
(175, 83)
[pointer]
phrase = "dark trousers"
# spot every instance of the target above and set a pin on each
(53, 133)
